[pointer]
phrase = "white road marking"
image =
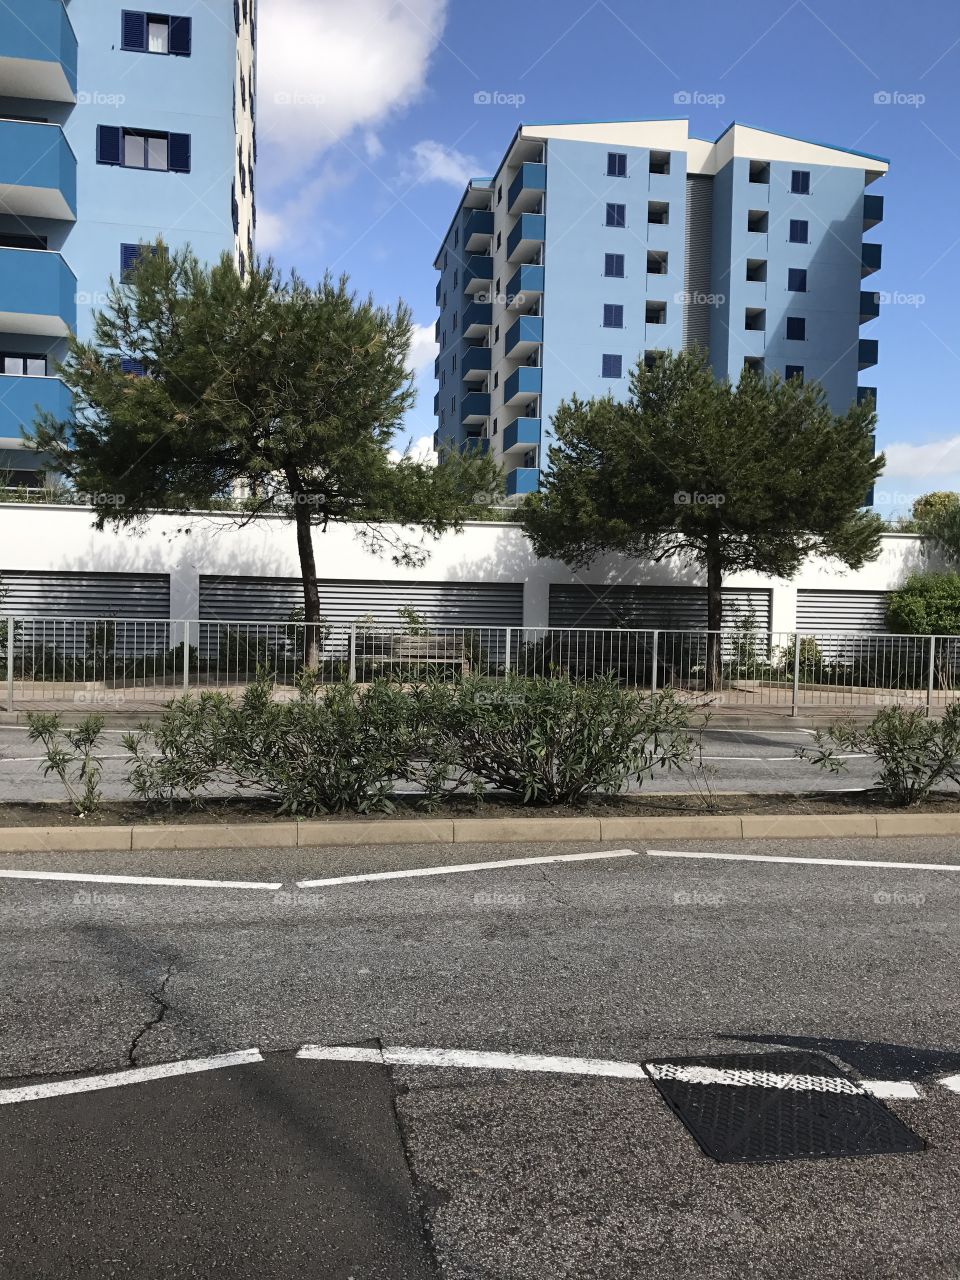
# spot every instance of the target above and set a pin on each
(477, 1060)
(823, 862)
(780, 759)
(891, 1088)
(40, 759)
(458, 868)
(134, 1075)
(91, 878)
(743, 1077)
(952, 1083)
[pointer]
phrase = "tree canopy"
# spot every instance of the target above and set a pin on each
(928, 604)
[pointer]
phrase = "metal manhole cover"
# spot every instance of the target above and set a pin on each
(757, 1108)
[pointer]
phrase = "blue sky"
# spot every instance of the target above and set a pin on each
(369, 126)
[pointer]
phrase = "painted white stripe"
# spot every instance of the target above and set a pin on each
(478, 1060)
(459, 868)
(891, 1088)
(85, 878)
(741, 1078)
(952, 1083)
(780, 759)
(135, 1075)
(823, 862)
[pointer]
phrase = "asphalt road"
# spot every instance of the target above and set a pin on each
(295, 1166)
(733, 760)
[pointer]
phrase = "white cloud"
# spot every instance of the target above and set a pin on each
(423, 348)
(421, 450)
(328, 68)
(373, 146)
(924, 461)
(431, 161)
(284, 223)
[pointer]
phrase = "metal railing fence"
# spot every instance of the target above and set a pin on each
(100, 663)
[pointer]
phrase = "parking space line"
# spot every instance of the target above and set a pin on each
(459, 868)
(93, 878)
(822, 862)
(134, 1075)
(481, 1060)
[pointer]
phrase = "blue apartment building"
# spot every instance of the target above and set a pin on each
(117, 126)
(597, 244)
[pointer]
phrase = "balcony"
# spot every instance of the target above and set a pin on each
(475, 444)
(477, 230)
(38, 293)
(39, 53)
(474, 408)
(436, 403)
(38, 171)
(523, 385)
(871, 259)
(477, 318)
(526, 238)
(869, 353)
(527, 188)
(522, 433)
(524, 284)
(522, 480)
(869, 306)
(478, 273)
(524, 337)
(872, 211)
(475, 364)
(22, 397)
(867, 393)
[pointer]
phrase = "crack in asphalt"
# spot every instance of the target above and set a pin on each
(162, 1007)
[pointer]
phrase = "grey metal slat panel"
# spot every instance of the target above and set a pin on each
(696, 279)
(842, 610)
(60, 606)
(664, 608)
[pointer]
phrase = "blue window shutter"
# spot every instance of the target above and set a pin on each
(129, 257)
(181, 36)
(135, 367)
(179, 153)
(109, 142)
(133, 34)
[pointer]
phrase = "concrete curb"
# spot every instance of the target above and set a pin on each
(445, 831)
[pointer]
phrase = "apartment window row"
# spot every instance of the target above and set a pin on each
(759, 173)
(792, 371)
(136, 149)
(155, 33)
(614, 264)
(654, 313)
(658, 213)
(23, 365)
(755, 321)
(617, 163)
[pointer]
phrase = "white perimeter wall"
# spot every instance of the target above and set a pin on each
(63, 539)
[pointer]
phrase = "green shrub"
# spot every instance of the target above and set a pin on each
(913, 753)
(71, 755)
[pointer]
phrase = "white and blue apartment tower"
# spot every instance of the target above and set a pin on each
(117, 126)
(597, 244)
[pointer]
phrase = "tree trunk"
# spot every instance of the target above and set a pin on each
(712, 677)
(308, 571)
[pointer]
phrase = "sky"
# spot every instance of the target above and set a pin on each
(373, 114)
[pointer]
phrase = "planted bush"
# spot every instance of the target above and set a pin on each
(71, 754)
(914, 753)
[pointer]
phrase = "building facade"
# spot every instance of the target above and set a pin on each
(117, 126)
(595, 245)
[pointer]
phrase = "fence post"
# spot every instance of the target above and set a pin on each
(932, 662)
(653, 668)
(10, 664)
(506, 653)
(186, 657)
(352, 673)
(796, 673)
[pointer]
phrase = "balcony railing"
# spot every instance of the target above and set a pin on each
(22, 397)
(525, 283)
(871, 259)
(474, 408)
(476, 363)
(523, 385)
(869, 306)
(478, 273)
(38, 293)
(527, 188)
(38, 171)
(39, 53)
(477, 230)
(522, 433)
(872, 211)
(526, 237)
(866, 393)
(522, 480)
(868, 353)
(524, 337)
(477, 318)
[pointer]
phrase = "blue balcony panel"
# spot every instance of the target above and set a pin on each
(525, 284)
(475, 363)
(527, 236)
(39, 52)
(22, 397)
(872, 211)
(474, 408)
(523, 385)
(869, 353)
(867, 393)
(477, 319)
(38, 293)
(524, 337)
(522, 433)
(869, 306)
(527, 188)
(478, 273)
(522, 480)
(871, 259)
(477, 230)
(475, 444)
(38, 171)
(436, 402)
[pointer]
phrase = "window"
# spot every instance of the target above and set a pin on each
(612, 316)
(456, 279)
(155, 33)
(616, 215)
(753, 364)
(760, 172)
(613, 265)
(499, 240)
(133, 367)
(756, 269)
(658, 213)
(799, 231)
(656, 313)
(499, 194)
(651, 358)
(612, 367)
(23, 365)
(657, 260)
(659, 161)
(797, 280)
(496, 335)
(616, 164)
(757, 220)
(130, 255)
(755, 318)
(456, 236)
(796, 328)
(131, 149)
(454, 363)
(800, 182)
(794, 371)
(456, 316)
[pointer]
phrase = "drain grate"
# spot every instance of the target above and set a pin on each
(757, 1108)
